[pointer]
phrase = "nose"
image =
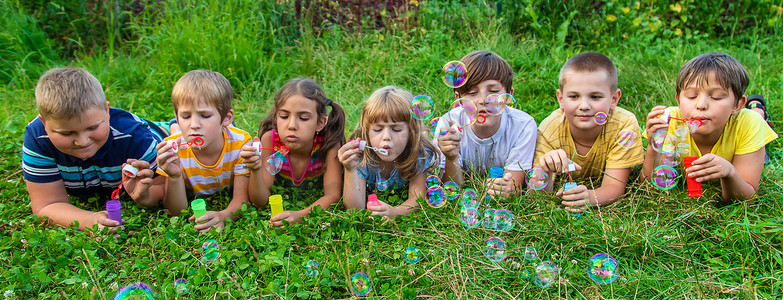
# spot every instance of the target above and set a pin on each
(195, 122)
(701, 102)
(584, 105)
(386, 135)
(292, 124)
(81, 140)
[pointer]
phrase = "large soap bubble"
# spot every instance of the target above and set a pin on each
(455, 74)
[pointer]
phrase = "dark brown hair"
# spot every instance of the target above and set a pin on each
(484, 65)
(729, 73)
(333, 132)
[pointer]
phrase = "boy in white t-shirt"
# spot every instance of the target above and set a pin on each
(478, 139)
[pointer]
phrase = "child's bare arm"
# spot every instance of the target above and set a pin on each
(739, 180)
(51, 200)
(449, 146)
(260, 181)
(175, 194)
(353, 186)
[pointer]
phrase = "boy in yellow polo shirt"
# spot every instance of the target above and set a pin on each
(730, 140)
(590, 133)
(203, 158)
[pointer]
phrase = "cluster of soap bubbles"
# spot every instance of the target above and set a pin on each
(437, 194)
(602, 268)
(360, 284)
(497, 103)
(312, 269)
(495, 249)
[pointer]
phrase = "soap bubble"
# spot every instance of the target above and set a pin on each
(495, 250)
(536, 179)
(694, 124)
(627, 138)
(422, 107)
(496, 104)
(530, 253)
(546, 274)
(209, 250)
(681, 132)
(181, 286)
(683, 148)
(138, 290)
(436, 197)
(665, 177)
(361, 284)
(602, 268)
(274, 163)
(470, 217)
(525, 273)
(489, 218)
(663, 141)
(433, 180)
(670, 159)
(600, 118)
(382, 185)
(469, 112)
(455, 74)
(312, 268)
(412, 255)
(470, 198)
(451, 190)
(504, 220)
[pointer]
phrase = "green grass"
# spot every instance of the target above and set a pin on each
(667, 245)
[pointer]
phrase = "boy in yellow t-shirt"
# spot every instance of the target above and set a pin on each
(204, 158)
(730, 141)
(590, 133)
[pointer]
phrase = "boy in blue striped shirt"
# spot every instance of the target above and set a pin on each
(78, 145)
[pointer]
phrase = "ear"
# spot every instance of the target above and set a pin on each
(322, 123)
(107, 109)
(677, 99)
(228, 119)
(559, 95)
(739, 105)
(456, 95)
(511, 92)
(616, 98)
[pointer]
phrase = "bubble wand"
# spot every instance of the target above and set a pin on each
(197, 141)
(113, 206)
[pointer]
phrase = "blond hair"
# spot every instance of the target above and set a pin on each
(484, 65)
(393, 104)
(590, 62)
(729, 73)
(64, 93)
(205, 86)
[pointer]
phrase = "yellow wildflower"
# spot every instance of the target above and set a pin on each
(611, 18)
(676, 7)
(626, 10)
(678, 32)
(636, 5)
(415, 3)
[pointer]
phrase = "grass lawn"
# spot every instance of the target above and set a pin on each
(667, 245)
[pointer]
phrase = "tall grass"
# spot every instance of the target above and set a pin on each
(669, 246)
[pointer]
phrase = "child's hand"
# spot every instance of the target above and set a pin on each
(210, 219)
(138, 187)
(290, 216)
(168, 160)
(251, 157)
(710, 166)
(349, 155)
(556, 161)
(102, 219)
(382, 209)
(449, 143)
(654, 123)
(500, 186)
(575, 199)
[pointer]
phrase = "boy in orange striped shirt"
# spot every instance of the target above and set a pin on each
(204, 159)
